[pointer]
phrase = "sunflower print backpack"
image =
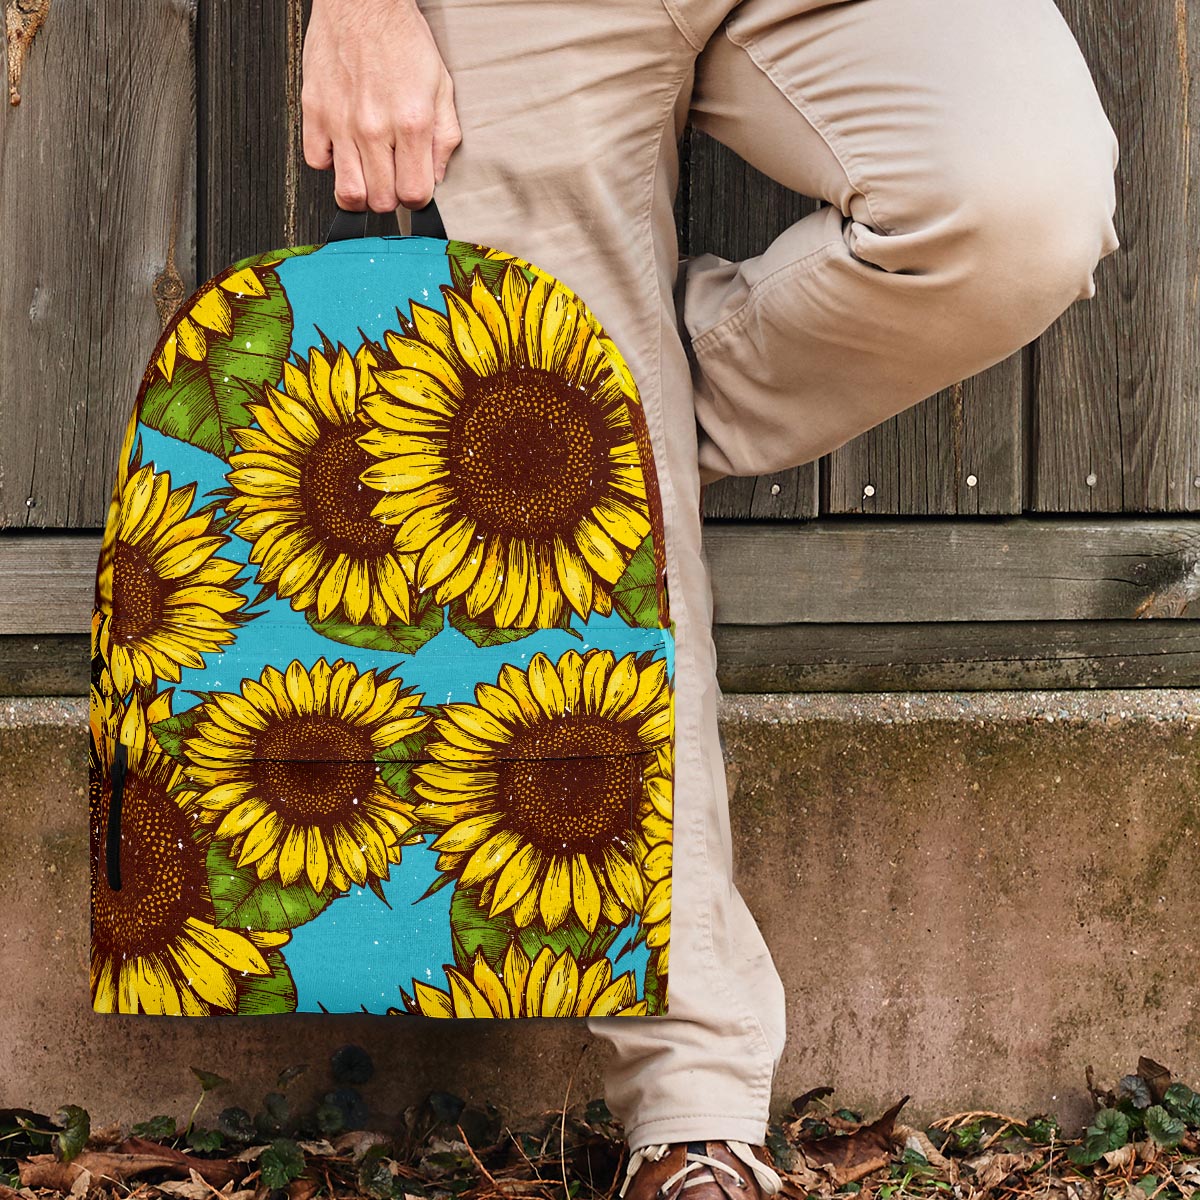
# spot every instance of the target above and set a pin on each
(382, 708)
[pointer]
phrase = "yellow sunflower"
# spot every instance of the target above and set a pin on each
(548, 986)
(542, 789)
(170, 598)
(155, 946)
(656, 866)
(287, 769)
(507, 455)
(209, 314)
(301, 503)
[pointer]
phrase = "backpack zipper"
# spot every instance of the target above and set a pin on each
(112, 847)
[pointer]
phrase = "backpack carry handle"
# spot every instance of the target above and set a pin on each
(426, 222)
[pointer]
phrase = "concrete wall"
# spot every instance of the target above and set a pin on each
(970, 896)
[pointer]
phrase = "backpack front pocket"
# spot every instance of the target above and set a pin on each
(359, 847)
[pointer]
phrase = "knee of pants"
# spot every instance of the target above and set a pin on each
(1010, 241)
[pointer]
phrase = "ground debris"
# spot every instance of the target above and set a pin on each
(1143, 1144)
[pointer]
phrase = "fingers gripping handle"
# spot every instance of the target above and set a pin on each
(426, 222)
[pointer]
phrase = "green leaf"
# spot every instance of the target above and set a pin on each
(472, 930)
(1180, 1101)
(207, 1141)
(465, 257)
(1109, 1130)
(236, 1125)
(1136, 1089)
(281, 1162)
(375, 1172)
(270, 257)
(209, 1080)
(395, 638)
(1111, 1125)
(273, 993)
(1165, 1129)
(653, 989)
(396, 760)
(171, 731)
(75, 1126)
(635, 597)
(243, 901)
(206, 400)
(157, 1129)
(484, 634)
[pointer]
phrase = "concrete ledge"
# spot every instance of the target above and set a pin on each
(969, 895)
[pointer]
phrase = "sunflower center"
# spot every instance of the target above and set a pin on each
(311, 768)
(338, 504)
(163, 877)
(574, 785)
(528, 453)
(138, 592)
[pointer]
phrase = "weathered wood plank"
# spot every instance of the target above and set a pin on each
(958, 453)
(47, 584)
(1118, 391)
(1008, 569)
(957, 656)
(257, 192)
(812, 657)
(844, 572)
(97, 218)
(38, 665)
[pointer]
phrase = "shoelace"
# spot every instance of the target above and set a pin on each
(768, 1179)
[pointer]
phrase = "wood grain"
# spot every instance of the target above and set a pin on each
(1117, 399)
(97, 221)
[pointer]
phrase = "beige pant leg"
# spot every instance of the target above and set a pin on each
(570, 112)
(968, 166)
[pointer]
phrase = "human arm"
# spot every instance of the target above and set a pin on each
(377, 103)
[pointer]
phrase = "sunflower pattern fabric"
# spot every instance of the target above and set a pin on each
(382, 710)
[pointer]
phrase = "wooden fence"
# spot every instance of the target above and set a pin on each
(1014, 530)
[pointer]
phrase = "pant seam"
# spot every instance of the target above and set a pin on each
(683, 24)
(756, 55)
(757, 290)
(749, 1021)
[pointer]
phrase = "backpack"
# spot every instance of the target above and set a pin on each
(382, 699)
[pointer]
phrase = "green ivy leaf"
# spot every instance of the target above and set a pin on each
(1180, 1101)
(635, 597)
(273, 993)
(243, 901)
(75, 1125)
(209, 1080)
(1136, 1089)
(235, 1124)
(395, 638)
(206, 1141)
(205, 401)
(157, 1129)
(1165, 1129)
(1109, 1130)
(280, 1163)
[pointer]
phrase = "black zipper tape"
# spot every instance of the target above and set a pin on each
(112, 845)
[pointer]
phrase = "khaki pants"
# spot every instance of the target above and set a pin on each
(968, 169)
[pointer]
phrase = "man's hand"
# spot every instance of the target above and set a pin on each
(378, 103)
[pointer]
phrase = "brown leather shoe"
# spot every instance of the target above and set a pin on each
(720, 1170)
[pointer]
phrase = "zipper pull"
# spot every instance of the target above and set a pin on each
(120, 761)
